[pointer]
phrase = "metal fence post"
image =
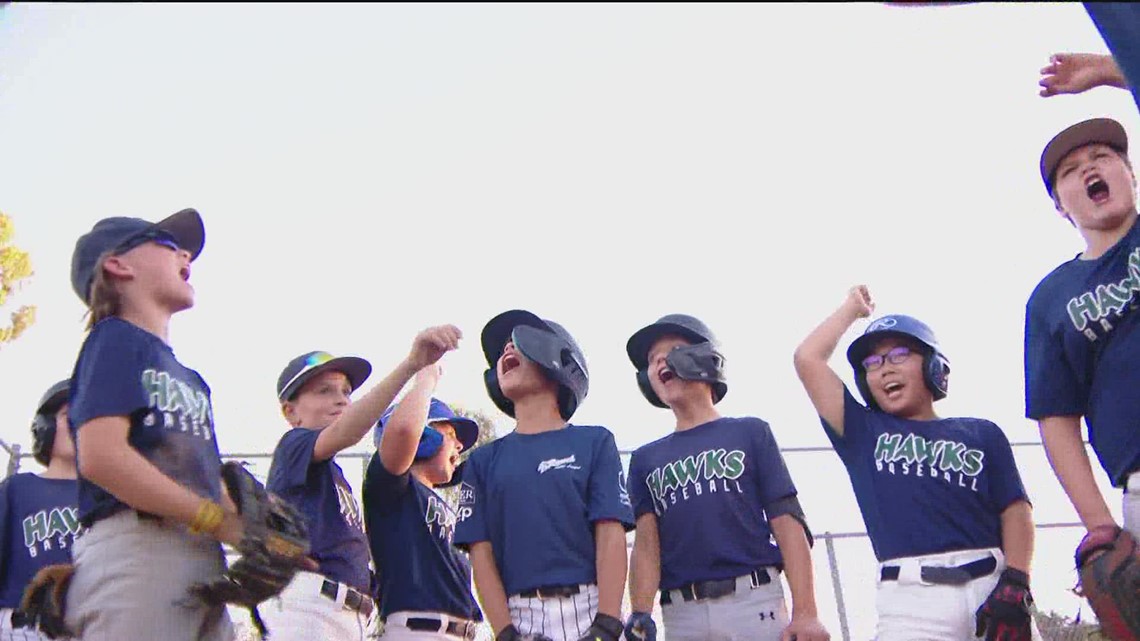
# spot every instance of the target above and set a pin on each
(13, 458)
(833, 565)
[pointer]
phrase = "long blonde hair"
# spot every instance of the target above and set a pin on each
(105, 299)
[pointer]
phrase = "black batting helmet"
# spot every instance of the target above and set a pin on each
(700, 361)
(547, 344)
(43, 423)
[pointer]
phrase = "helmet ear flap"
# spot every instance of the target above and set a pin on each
(43, 438)
(491, 381)
(937, 373)
(647, 389)
(430, 442)
(865, 390)
(567, 402)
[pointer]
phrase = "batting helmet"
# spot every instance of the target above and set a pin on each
(547, 344)
(43, 423)
(466, 430)
(935, 365)
(700, 361)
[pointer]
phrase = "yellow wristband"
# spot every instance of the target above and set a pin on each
(208, 518)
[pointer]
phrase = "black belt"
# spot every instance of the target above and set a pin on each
(462, 629)
(353, 600)
(551, 592)
(947, 576)
(20, 620)
(713, 589)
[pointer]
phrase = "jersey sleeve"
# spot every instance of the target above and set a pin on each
(471, 521)
(772, 476)
(381, 487)
(638, 489)
(608, 498)
(1051, 386)
(291, 460)
(109, 379)
(1005, 486)
(854, 426)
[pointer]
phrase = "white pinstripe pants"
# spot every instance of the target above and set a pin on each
(561, 619)
(1132, 505)
(7, 633)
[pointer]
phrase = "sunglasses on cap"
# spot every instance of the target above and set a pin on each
(316, 359)
(896, 356)
(157, 237)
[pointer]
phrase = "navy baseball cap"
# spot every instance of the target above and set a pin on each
(466, 430)
(110, 234)
(1095, 130)
(304, 367)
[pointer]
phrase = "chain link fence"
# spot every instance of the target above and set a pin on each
(1053, 626)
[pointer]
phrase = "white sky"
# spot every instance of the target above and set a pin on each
(365, 171)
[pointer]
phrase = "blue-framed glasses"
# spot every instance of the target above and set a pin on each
(158, 237)
(896, 356)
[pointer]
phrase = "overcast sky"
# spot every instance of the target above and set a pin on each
(366, 171)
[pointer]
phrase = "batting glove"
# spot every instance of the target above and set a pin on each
(640, 627)
(604, 628)
(1005, 614)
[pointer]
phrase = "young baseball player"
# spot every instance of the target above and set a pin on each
(425, 582)
(39, 521)
(720, 580)
(544, 510)
(314, 390)
(942, 499)
(150, 492)
(1081, 324)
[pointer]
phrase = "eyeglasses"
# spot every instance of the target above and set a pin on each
(158, 237)
(896, 356)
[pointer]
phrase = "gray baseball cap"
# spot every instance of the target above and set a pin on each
(110, 234)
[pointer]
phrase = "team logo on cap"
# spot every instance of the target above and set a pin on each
(883, 323)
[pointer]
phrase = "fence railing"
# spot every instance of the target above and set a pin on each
(16, 456)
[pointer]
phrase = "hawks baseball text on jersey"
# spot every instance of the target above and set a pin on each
(915, 455)
(184, 408)
(711, 471)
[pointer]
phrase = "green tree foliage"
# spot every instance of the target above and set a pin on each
(15, 268)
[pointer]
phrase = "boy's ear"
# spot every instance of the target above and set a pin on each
(116, 266)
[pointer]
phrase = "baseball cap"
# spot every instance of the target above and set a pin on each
(304, 367)
(466, 430)
(54, 397)
(110, 234)
(1095, 130)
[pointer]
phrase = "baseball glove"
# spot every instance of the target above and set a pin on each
(275, 540)
(1108, 564)
(43, 600)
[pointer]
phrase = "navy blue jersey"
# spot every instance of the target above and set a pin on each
(411, 530)
(720, 475)
(927, 487)
(124, 370)
(1119, 25)
(39, 522)
(1081, 349)
(319, 490)
(536, 497)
